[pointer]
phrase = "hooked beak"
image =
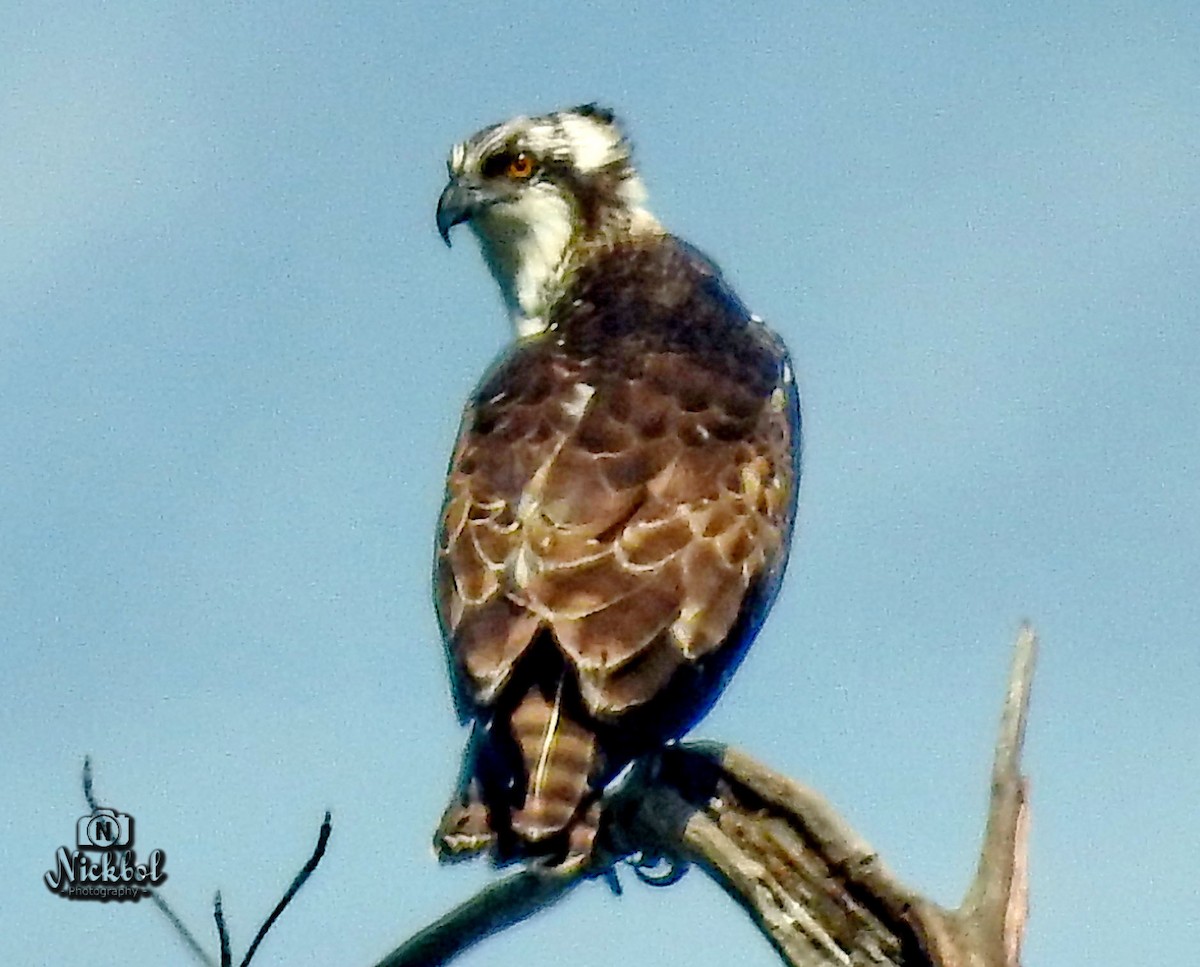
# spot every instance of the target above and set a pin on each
(458, 203)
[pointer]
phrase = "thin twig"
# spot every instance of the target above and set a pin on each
(188, 938)
(222, 932)
(185, 934)
(88, 792)
(304, 874)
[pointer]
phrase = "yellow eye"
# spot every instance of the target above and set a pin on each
(520, 166)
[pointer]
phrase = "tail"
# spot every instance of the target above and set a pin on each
(546, 812)
(558, 754)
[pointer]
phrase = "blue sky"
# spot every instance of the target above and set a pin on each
(233, 352)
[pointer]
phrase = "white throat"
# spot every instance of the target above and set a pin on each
(525, 244)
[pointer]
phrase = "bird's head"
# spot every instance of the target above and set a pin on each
(539, 191)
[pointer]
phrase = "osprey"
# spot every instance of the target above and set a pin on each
(620, 499)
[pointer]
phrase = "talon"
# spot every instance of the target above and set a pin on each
(644, 863)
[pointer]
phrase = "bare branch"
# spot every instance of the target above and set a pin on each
(500, 905)
(89, 793)
(997, 902)
(188, 938)
(222, 932)
(297, 882)
(810, 884)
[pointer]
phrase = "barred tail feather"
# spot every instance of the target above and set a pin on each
(558, 755)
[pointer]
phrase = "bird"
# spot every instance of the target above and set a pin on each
(620, 500)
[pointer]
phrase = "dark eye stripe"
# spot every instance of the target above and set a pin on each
(494, 165)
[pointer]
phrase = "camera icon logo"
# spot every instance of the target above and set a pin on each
(104, 829)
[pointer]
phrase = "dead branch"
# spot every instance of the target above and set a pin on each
(298, 881)
(504, 903)
(810, 883)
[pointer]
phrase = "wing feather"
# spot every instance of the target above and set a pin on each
(639, 525)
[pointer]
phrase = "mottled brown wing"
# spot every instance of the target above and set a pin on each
(628, 511)
(513, 427)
